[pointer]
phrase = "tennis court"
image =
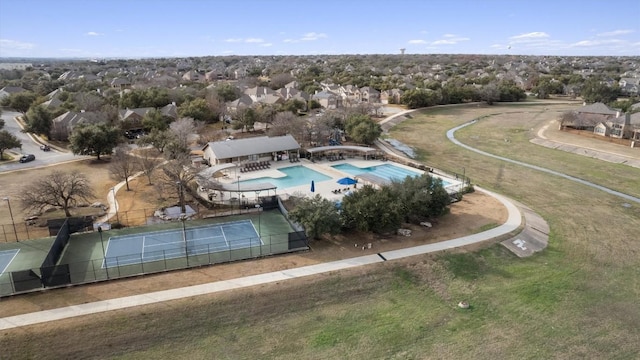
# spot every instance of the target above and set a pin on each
(171, 244)
(6, 257)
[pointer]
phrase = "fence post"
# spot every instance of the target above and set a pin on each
(164, 257)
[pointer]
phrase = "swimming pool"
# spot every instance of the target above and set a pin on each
(295, 176)
(385, 171)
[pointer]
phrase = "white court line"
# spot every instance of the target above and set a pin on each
(144, 238)
(224, 236)
(10, 261)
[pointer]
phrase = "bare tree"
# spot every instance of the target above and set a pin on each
(282, 124)
(177, 174)
(182, 129)
(59, 189)
(123, 165)
(147, 164)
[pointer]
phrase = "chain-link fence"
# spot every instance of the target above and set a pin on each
(95, 270)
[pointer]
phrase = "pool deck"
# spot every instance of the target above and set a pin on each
(324, 188)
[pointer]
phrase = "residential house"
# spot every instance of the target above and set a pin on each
(63, 125)
(603, 121)
(289, 93)
(191, 75)
(258, 92)
(244, 101)
(630, 86)
(10, 90)
(391, 96)
(328, 99)
(120, 83)
(131, 119)
(52, 104)
(368, 94)
(634, 120)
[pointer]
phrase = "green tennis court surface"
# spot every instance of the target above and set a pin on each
(171, 244)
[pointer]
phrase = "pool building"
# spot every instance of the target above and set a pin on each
(228, 180)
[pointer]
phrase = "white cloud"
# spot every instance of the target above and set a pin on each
(530, 36)
(417, 42)
(449, 39)
(616, 32)
(590, 43)
(15, 45)
(93, 33)
(243, 40)
(312, 36)
(266, 44)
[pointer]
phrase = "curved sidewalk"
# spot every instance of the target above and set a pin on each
(514, 221)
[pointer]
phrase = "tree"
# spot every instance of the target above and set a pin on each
(363, 211)
(159, 139)
(58, 189)
(147, 164)
(280, 80)
(94, 139)
(362, 129)
(286, 123)
(123, 165)
(318, 216)
(489, 94)
(245, 118)
(177, 174)
(421, 197)
(38, 120)
(154, 119)
(20, 102)
(198, 109)
(8, 141)
(418, 98)
(228, 92)
(595, 90)
(181, 130)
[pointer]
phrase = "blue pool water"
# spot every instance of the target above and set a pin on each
(385, 171)
(295, 176)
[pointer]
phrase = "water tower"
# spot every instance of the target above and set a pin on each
(402, 51)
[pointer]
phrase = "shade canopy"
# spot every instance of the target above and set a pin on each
(346, 181)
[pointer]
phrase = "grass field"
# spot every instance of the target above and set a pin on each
(577, 299)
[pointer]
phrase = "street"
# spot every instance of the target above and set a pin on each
(29, 146)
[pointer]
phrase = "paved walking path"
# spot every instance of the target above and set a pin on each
(451, 136)
(514, 221)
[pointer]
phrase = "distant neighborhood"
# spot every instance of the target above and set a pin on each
(246, 93)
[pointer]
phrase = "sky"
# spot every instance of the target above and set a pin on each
(164, 28)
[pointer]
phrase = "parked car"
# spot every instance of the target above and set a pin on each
(45, 147)
(27, 158)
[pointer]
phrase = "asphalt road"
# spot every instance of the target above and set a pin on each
(29, 146)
